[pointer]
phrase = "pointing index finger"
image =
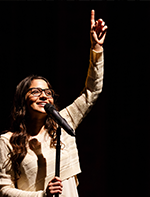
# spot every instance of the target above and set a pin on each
(92, 18)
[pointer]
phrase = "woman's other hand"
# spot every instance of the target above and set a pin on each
(54, 187)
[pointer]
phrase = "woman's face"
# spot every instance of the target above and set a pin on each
(35, 103)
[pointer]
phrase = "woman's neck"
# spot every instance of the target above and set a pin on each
(35, 126)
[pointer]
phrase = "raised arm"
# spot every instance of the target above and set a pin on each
(75, 112)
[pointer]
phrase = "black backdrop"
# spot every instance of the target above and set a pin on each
(52, 40)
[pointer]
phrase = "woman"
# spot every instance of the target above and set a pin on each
(27, 151)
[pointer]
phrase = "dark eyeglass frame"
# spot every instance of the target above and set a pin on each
(40, 92)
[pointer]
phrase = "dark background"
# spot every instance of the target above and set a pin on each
(52, 40)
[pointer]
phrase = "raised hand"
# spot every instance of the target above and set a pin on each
(97, 32)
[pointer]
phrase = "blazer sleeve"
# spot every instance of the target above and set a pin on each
(75, 112)
(7, 188)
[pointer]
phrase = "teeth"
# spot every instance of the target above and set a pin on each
(42, 104)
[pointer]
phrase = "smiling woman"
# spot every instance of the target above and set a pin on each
(27, 151)
(29, 116)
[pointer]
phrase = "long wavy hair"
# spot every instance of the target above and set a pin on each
(19, 114)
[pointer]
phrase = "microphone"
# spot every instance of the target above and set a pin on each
(54, 114)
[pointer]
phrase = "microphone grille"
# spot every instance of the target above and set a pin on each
(49, 107)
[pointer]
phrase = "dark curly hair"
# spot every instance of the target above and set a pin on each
(19, 138)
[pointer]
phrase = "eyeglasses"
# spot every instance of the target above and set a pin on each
(38, 91)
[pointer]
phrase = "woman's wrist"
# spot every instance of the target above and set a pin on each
(97, 47)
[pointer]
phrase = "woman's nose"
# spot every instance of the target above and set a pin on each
(43, 95)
